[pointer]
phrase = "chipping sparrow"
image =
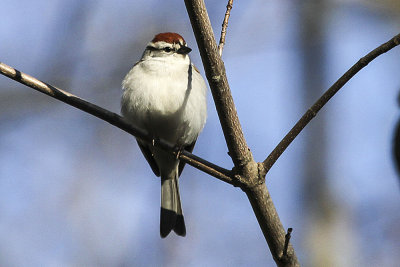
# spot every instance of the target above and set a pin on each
(165, 95)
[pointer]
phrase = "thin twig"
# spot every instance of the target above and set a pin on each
(287, 239)
(114, 119)
(224, 26)
(312, 112)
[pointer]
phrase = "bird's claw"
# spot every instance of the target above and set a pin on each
(178, 151)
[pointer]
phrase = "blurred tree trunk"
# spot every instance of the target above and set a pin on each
(319, 205)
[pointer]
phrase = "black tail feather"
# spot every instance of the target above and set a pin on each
(171, 216)
(180, 228)
(167, 221)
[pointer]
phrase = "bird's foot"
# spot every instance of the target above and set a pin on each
(178, 151)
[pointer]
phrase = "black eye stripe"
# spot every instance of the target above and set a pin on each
(168, 49)
(151, 48)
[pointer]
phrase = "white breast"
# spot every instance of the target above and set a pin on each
(168, 100)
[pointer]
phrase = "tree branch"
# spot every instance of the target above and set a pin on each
(271, 226)
(215, 72)
(114, 119)
(224, 26)
(312, 112)
(247, 171)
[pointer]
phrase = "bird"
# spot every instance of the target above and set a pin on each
(165, 95)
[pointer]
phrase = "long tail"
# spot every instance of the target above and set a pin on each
(171, 216)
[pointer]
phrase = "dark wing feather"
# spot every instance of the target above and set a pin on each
(190, 149)
(149, 157)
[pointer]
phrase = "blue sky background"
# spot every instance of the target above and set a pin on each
(75, 191)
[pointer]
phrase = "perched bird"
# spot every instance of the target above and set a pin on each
(165, 95)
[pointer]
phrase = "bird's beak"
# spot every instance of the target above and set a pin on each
(184, 50)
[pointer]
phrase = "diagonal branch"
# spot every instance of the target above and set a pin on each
(247, 171)
(215, 72)
(114, 119)
(312, 112)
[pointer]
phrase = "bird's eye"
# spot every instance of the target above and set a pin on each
(167, 49)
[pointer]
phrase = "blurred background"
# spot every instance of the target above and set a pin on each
(75, 191)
